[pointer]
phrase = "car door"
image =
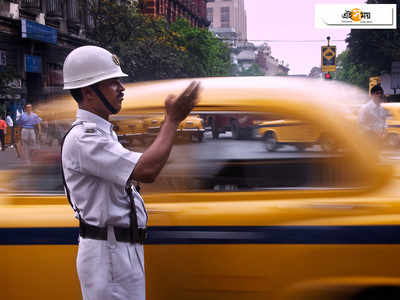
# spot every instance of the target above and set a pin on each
(229, 220)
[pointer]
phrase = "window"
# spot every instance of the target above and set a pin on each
(54, 8)
(219, 152)
(210, 14)
(225, 17)
(73, 11)
(35, 4)
(243, 151)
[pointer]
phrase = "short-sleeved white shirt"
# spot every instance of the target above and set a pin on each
(96, 169)
(373, 117)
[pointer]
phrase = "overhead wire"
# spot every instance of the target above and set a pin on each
(282, 41)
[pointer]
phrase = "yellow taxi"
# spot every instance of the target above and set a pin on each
(290, 132)
(192, 128)
(228, 220)
(129, 129)
(393, 124)
(302, 135)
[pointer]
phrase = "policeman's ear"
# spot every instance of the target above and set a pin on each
(88, 93)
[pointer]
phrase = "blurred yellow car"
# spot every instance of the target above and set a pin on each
(393, 124)
(228, 220)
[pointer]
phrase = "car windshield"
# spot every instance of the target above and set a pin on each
(217, 151)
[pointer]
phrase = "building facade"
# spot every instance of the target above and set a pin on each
(270, 65)
(37, 35)
(228, 19)
(246, 54)
(35, 38)
(193, 10)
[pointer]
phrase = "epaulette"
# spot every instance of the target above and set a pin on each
(89, 127)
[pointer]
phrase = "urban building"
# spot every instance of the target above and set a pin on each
(315, 72)
(246, 54)
(193, 10)
(35, 38)
(37, 35)
(228, 19)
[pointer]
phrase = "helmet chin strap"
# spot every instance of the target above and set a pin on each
(103, 99)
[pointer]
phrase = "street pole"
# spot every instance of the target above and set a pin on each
(328, 38)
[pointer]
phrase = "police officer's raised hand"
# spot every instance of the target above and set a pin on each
(156, 155)
(178, 108)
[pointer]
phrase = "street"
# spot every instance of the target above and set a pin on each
(223, 148)
(9, 159)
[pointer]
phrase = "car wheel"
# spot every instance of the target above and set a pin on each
(270, 141)
(200, 137)
(187, 137)
(235, 129)
(393, 140)
(214, 129)
(301, 148)
(328, 144)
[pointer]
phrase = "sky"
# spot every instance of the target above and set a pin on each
(293, 20)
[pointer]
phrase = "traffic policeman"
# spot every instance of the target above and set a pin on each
(98, 174)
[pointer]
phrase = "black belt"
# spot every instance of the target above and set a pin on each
(122, 234)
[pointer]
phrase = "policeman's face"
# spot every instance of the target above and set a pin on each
(378, 97)
(113, 90)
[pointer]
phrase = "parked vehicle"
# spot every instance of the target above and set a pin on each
(239, 124)
(278, 133)
(129, 130)
(192, 128)
(393, 125)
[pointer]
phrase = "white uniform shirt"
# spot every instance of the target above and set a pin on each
(373, 117)
(97, 168)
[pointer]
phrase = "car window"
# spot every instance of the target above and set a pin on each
(245, 151)
(220, 151)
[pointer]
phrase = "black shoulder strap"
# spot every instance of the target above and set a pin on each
(62, 171)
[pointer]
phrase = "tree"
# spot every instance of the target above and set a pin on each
(355, 73)
(370, 52)
(203, 53)
(150, 48)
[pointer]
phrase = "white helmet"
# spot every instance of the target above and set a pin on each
(88, 65)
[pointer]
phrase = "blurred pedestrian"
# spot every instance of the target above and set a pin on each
(3, 132)
(10, 124)
(372, 116)
(100, 175)
(30, 124)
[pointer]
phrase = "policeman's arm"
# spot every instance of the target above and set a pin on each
(155, 157)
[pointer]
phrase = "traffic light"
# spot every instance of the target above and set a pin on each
(328, 76)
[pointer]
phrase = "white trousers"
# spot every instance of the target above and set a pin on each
(111, 270)
(28, 138)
